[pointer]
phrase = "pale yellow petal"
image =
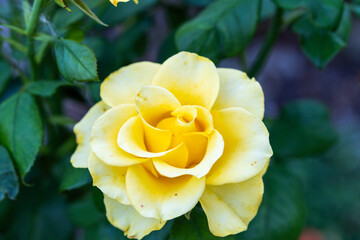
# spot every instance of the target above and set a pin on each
(109, 179)
(237, 90)
(177, 158)
(155, 103)
(83, 131)
(247, 148)
(123, 85)
(204, 119)
(126, 218)
(160, 197)
(213, 152)
(229, 208)
(191, 78)
(104, 137)
(131, 139)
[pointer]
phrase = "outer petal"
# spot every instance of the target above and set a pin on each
(160, 197)
(109, 179)
(83, 131)
(192, 79)
(213, 153)
(247, 148)
(155, 103)
(237, 90)
(104, 136)
(123, 85)
(229, 208)
(129, 220)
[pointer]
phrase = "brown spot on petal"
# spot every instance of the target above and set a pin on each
(141, 205)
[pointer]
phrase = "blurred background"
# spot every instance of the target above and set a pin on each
(312, 188)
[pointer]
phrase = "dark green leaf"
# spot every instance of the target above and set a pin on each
(223, 29)
(281, 215)
(9, 184)
(198, 2)
(324, 14)
(75, 178)
(76, 61)
(320, 45)
(194, 229)
(83, 7)
(44, 88)
(303, 129)
(84, 213)
(21, 130)
(104, 231)
(5, 70)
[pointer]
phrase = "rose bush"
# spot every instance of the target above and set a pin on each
(165, 137)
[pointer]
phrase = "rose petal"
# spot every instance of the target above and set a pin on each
(229, 208)
(247, 148)
(237, 90)
(214, 150)
(109, 179)
(160, 197)
(123, 85)
(156, 140)
(191, 78)
(155, 103)
(104, 136)
(83, 131)
(126, 218)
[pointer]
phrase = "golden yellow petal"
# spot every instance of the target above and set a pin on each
(126, 218)
(109, 179)
(191, 78)
(155, 103)
(229, 208)
(177, 158)
(105, 133)
(123, 85)
(156, 140)
(213, 152)
(247, 147)
(160, 197)
(83, 131)
(237, 90)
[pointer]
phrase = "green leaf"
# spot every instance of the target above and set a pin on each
(224, 28)
(281, 215)
(21, 130)
(45, 88)
(84, 213)
(9, 184)
(76, 61)
(198, 2)
(75, 178)
(324, 14)
(63, 4)
(5, 75)
(303, 129)
(194, 229)
(321, 45)
(83, 7)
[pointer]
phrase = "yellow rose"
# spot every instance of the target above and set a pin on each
(165, 137)
(115, 2)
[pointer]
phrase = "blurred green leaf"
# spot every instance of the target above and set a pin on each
(21, 130)
(320, 45)
(26, 11)
(5, 75)
(75, 178)
(63, 4)
(104, 231)
(324, 14)
(355, 6)
(268, 9)
(9, 184)
(76, 61)
(198, 2)
(303, 129)
(281, 215)
(194, 229)
(84, 213)
(224, 28)
(45, 88)
(84, 7)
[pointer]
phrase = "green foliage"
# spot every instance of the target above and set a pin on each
(44, 88)
(8, 180)
(21, 130)
(75, 61)
(281, 215)
(5, 75)
(75, 178)
(303, 129)
(223, 29)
